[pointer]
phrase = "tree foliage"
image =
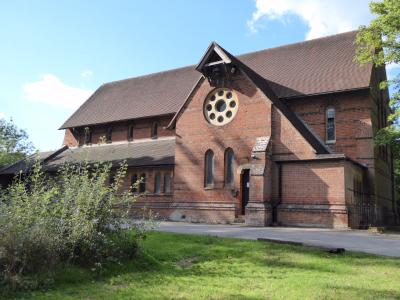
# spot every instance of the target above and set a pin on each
(14, 143)
(379, 44)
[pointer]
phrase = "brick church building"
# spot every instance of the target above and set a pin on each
(279, 136)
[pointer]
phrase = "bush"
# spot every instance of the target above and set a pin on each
(76, 217)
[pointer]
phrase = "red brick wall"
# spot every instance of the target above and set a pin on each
(150, 174)
(313, 194)
(70, 139)
(256, 117)
(195, 136)
(381, 169)
(356, 126)
(313, 183)
(353, 121)
(142, 130)
(287, 142)
(158, 203)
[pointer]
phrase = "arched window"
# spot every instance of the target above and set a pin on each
(229, 162)
(88, 136)
(109, 135)
(157, 183)
(142, 185)
(130, 133)
(154, 130)
(167, 183)
(134, 179)
(209, 169)
(330, 125)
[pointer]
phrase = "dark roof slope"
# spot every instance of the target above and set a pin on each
(150, 95)
(311, 67)
(139, 153)
(26, 164)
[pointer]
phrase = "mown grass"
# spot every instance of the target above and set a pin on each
(177, 266)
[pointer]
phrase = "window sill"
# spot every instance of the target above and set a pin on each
(330, 142)
(211, 187)
(158, 194)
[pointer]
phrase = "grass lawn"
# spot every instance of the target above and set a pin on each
(176, 266)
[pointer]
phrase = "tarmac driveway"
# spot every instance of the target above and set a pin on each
(353, 240)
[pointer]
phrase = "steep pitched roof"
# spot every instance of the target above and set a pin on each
(312, 67)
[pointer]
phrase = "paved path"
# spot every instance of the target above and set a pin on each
(353, 240)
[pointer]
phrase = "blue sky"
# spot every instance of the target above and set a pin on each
(54, 54)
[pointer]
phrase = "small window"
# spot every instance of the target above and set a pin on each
(142, 185)
(330, 125)
(130, 133)
(134, 179)
(157, 183)
(154, 130)
(88, 136)
(229, 167)
(167, 183)
(109, 135)
(209, 169)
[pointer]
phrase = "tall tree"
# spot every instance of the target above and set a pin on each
(14, 143)
(379, 44)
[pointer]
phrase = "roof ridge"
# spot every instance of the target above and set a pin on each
(147, 75)
(239, 55)
(297, 43)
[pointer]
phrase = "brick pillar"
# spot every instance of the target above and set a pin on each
(258, 210)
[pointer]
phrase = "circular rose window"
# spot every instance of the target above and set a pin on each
(221, 106)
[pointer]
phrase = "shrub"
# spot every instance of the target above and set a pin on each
(77, 217)
(28, 228)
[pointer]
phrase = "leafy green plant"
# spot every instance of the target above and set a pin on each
(379, 44)
(75, 217)
(28, 228)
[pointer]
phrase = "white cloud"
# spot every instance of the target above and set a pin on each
(2, 115)
(51, 90)
(86, 74)
(322, 17)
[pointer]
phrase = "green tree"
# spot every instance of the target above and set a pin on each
(379, 44)
(14, 143)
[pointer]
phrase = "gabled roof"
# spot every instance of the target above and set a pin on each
(317, 66)
(213, 54)
(265, 86)
(138, 153)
